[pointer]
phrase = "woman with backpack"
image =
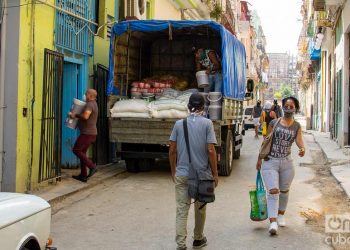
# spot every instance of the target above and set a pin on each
(266, 117)
(277, 169)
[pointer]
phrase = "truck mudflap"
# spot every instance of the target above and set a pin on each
(238, 142)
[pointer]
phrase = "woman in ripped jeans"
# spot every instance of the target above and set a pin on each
(277, 169)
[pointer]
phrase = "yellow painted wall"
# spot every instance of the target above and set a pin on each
(164, 10)
(101, 52)
(43, 25)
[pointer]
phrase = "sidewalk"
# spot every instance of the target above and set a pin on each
(338, 158)
(68, 186)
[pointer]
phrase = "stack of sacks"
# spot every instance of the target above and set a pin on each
(168, 108)
(131, 108)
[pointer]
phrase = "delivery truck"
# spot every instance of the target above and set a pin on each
(144, 49)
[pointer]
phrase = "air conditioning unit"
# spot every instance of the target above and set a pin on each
(135, 9)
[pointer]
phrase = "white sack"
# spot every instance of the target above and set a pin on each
(168, 114)
(167, 104)
(131, 115)
(132, 105)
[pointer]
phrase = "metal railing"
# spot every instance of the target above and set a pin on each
(73, 31)
(51, 118)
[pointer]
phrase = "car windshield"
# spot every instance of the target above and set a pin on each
(248, 111)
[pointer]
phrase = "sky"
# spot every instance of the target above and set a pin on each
(280, 20)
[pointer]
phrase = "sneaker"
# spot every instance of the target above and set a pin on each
(273, 228)
(200, 243)
(80, 178)
(281, 220)
(92, 172)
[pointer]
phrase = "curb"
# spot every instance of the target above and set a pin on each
(85, 187)
(320, 147)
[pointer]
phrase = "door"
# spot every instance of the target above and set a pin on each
(101, 146)
(338, 103)
(70, 91)
(50, 133)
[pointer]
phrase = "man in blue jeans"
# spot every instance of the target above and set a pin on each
(209, 61)
(202, 142)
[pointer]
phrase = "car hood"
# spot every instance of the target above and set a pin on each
(15, 207)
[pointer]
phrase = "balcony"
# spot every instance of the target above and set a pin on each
(319, 5)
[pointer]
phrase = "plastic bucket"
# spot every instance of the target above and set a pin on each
(215, 112)
(202, 79)
(205, 96)
(77, 107)
(215, 98)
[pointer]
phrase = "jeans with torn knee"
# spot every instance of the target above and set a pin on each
(278, 174)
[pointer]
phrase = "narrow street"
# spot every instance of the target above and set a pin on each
(137, 211)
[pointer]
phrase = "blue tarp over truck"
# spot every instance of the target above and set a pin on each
(233, 54)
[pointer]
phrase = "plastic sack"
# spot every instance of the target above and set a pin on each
(258, 201)
(168, 104)
(172, 113)
(130, 115)
(132, 105)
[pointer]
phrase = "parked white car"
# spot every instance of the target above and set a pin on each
(24, 222)
(247, 117)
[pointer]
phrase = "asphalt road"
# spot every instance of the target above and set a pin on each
(137, 211)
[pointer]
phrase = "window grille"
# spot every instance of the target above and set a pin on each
(73, 31)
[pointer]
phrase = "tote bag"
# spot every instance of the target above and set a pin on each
(258, 201)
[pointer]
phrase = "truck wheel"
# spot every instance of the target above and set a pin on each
(145, 165)
(132, 165)
(227, 155)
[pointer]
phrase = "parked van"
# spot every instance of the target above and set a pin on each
(247, 117)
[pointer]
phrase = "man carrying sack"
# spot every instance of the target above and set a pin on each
(202, 142)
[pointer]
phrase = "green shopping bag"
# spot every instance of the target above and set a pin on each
(258, 202)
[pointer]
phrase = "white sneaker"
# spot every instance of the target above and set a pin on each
(281, 220)
(273, 228)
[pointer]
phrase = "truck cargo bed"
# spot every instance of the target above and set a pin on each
(146, 131)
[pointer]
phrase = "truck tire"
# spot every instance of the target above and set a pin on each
(132, 165)
(226, 155)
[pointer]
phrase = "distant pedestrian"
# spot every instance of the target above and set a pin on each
(88, 132)
(256, 113)
(202, 142)
(277, 169)
(267, 115)
(277, 108)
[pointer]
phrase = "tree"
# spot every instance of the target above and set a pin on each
(284, 91)
(215, 9)
(278, 95)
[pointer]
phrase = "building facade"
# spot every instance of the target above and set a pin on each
(324, 77)
(49, 53)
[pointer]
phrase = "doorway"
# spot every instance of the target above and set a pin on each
(338, 104)
(71, 87)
